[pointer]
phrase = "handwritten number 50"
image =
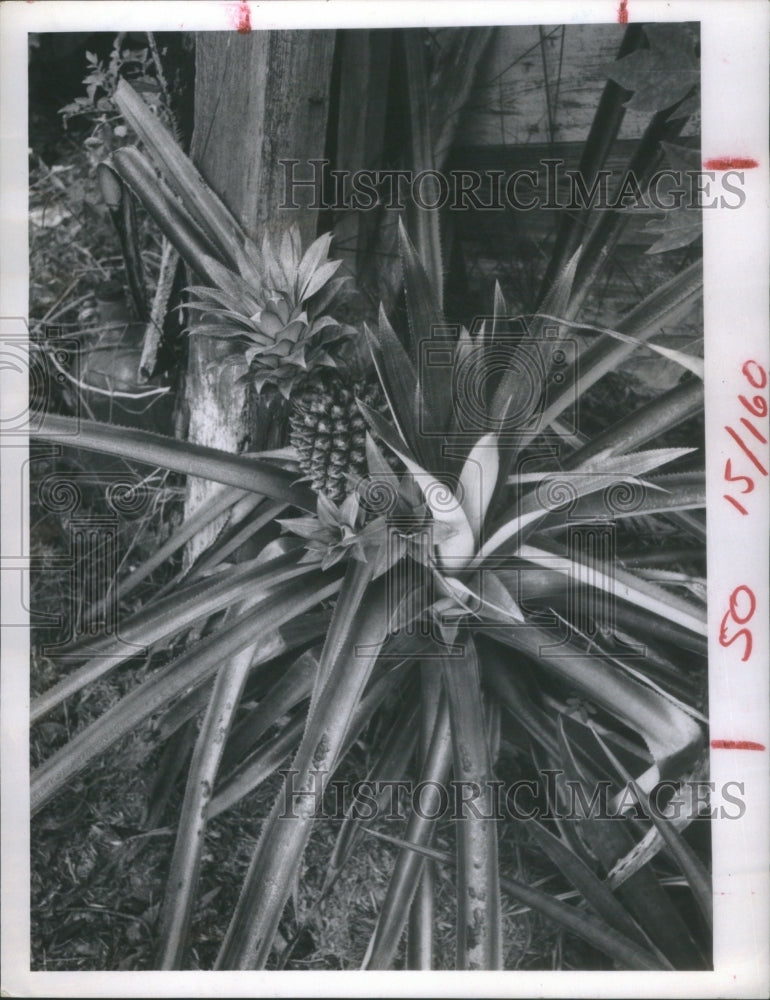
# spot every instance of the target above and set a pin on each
(743, 604)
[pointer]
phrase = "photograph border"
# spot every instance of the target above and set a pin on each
(735, 57)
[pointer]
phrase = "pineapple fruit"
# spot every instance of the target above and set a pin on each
(329, 432)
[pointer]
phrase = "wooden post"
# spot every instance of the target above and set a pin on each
(259, 98)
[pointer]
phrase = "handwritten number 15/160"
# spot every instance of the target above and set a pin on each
(757, 408)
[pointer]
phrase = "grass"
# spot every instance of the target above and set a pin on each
(99, 876)
(96, 880)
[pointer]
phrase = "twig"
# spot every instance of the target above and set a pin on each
(161, 77)
(52, 313)
(154, 329)
(112, 393)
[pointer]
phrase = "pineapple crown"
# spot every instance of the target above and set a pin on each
(339, 531)
(283, 318)
(360, 525)
(351, 529)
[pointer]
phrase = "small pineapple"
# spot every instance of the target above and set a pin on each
(293, 345)
(328, 431)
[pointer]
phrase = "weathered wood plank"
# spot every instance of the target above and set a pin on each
(529, 69)
(511, 246)
(538, 224)
(461, 53)
(363, 92)
(259, 97)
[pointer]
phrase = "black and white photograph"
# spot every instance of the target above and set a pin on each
(386, 499)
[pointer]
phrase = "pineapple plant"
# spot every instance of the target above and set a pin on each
(423, 615)
(293, 346)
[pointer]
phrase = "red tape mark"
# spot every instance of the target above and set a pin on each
(736, 745)
(243, 18)
(731, 163)
(623, 12)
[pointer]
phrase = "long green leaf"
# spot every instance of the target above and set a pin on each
(479, 920)
(164, 618)
(250, 935)
(691, 363)
(421, 303)
(464, 55)
(604, 236)
(420, 929)
(399, 378)
(215, 505)
(432, 403)
(392, 761)
(644, 424)
(674, 495)
(266, 515)
(624, 585)
(643, 624)
(355, 588)
(666, 729)
(605, 126)
(625, 952)
(258, 767)
(178, 456)
(517, 378)
(404, 879)
(511, 692)
(200, 201)
(689, 864)
(600, 472)
(184, 870)
(174, 760)
(293, 686)
(688, 861)
(666, 305)
(265, 760)
(309, 627)
(574, 868)
(422, 916)
(426, 222)
(642, 894)
(191, 669)
(169, 216)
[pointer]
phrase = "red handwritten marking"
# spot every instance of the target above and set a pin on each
(623, 12)
(746, 369)
(756, 376)
(731, 163)
(736, 503)
(749, 454)
(739, 619)
(752, 428)
(736, 745)
(757, 407)
(243, 18)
